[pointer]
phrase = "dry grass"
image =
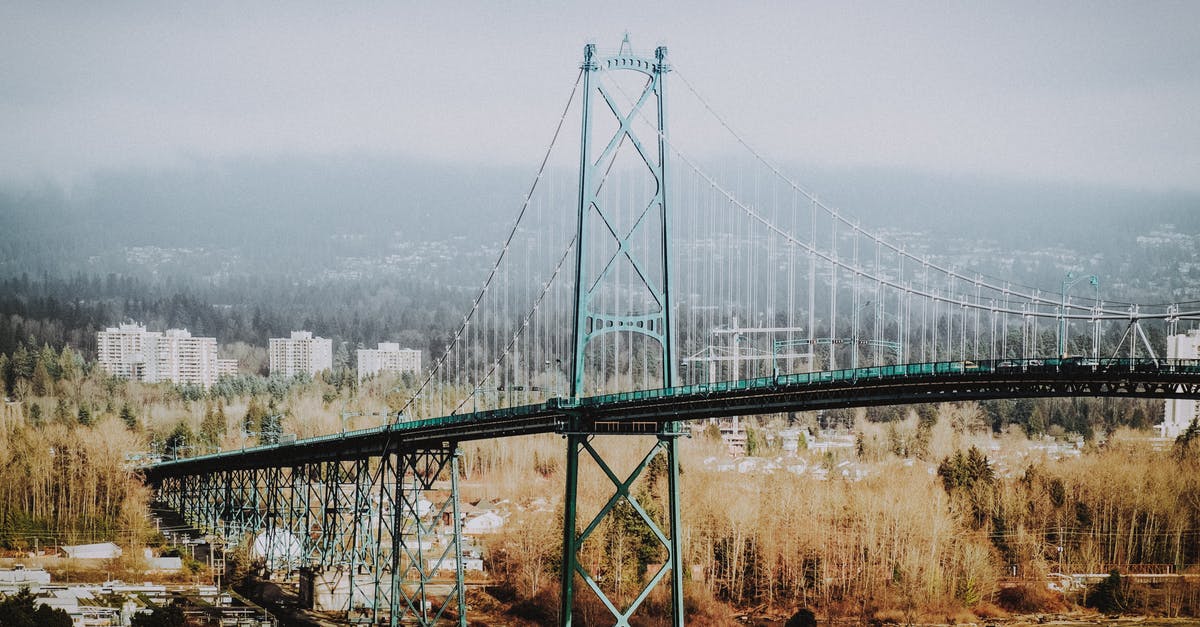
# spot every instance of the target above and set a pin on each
(1030, 598)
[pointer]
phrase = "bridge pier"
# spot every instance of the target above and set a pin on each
(367, 524)
(405, 581)
(665, 447)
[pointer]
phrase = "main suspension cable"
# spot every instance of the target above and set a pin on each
(503, 251)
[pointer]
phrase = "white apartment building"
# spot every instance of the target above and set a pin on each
(1180, 412)
(227, 368)
(300, 353)
(131, 352)
(389, 357)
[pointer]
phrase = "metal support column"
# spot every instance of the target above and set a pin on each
(361, 541)
(570, 545)
(273, 541)
(418, 564)
(385, 557)
(675, 549)
(665, 444)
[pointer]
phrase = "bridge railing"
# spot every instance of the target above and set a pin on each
(1048, 366)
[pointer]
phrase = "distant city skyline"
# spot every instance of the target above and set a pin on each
(1093, 93)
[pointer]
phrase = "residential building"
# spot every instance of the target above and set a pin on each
(389, 357)
(1180, 412)
(187, 360)
(300, 353)
(99, 551)
(227, 368)
(18, 574)
(131, 352)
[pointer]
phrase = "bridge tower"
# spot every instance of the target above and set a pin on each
(636, 237)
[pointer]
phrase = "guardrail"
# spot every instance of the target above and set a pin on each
(563, 406)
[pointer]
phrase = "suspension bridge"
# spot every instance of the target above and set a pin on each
(612, 311)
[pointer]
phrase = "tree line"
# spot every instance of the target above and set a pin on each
(69, 311)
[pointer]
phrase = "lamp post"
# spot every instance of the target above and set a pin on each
(1068, 282)
(558, 378)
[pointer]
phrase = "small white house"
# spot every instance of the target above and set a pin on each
(19, 574)
(487, 522)
(101, 551)
(165, 564)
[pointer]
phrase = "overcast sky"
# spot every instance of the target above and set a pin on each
(1087, 92)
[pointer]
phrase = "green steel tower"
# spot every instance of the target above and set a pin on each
(604, 242)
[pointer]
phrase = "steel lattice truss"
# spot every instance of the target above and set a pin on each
(366, 524)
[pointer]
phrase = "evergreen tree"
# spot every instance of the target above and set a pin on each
(969, 478)
(212, 426)
(35, 414)
(270, 425)
(70, 364)
(22, 363)
(1110, 595)
(62, 415)
(167, 616)
(42, 382)
(1188, 442)
(18, 611)
(129, 417)
(48, 358)
(181, 438)
(255, 413)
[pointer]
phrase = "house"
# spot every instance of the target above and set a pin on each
(18, 574)
(165, 564)
(101, 551)
(487, 522)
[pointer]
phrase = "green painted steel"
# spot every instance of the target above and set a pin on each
(1167, 378)
(589, 321)
(413, 573)
(353, 501)
(570, 546)
(460, 584)
(359, 521)
(675, 549)
(581, 444)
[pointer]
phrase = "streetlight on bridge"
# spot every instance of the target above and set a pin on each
(1067, 284)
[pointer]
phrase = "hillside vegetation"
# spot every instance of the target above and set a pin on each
(950, 509)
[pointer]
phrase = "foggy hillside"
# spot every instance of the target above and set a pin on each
(296, 217)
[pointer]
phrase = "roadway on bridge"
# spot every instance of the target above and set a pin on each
(650, 411)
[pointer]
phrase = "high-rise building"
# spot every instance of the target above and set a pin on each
(1180, 412)
(300, 353)
(131, 352)
(186, 359)
(389, 357)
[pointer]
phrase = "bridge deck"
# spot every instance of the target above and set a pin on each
(649, 410)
